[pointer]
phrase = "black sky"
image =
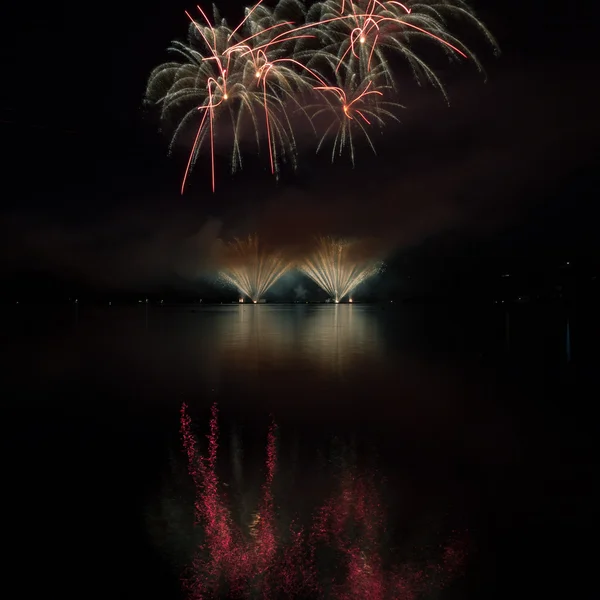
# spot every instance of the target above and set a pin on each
(89, 188)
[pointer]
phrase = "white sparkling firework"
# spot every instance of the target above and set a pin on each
(252, 269)
(279, 61)
(338, 268)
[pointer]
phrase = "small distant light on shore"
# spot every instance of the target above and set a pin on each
(350, 300)
(110, 303)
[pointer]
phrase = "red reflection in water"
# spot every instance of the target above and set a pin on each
(266, 562)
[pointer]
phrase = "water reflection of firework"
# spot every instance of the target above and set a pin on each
(336, 336)
(339, 554)
(333, 339)
(252, 269)
(337, 267)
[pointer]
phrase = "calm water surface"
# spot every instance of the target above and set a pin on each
(471, 412)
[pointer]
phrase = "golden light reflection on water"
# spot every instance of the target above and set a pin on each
(330, 337)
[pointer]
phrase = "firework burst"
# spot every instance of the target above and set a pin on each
(251, 269)
(353, 106)
(221, 87)
(336, 267)
(363, 35)
(228, 82)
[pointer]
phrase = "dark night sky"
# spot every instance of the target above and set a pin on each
(510, 167)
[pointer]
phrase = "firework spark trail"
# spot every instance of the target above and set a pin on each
(333, 268)
(370, 22)
(221, 73)
(355, 99)
(347, 106)
(251, 269)
(204, 83)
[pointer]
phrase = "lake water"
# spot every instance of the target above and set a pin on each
(474, 414)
